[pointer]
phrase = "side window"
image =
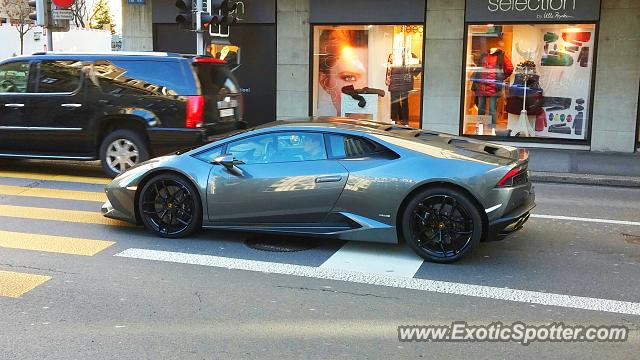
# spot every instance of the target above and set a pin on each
(58, 76)
(209, 155)
(279, 147)
(342, 146)
(135, 77)
(14, 77)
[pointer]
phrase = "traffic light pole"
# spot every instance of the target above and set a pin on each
(49, 39)
(199, 31)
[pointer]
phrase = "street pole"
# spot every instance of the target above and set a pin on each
(49, 39)
(199, 32)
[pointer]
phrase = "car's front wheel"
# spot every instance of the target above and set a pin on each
(169, 206)
(441, 224)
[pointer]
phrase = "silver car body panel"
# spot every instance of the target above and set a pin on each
(350, 199)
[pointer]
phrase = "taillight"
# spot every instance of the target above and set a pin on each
(195, 112)
(507, 180)
(208, 60)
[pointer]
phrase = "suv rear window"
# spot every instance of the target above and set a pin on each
(120, 77)
(216, 79)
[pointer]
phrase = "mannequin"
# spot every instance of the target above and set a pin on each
(399, 79)
(488, 83)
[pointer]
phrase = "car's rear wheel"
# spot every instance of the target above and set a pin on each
(442, 224)
(169, 206)
(122, 149)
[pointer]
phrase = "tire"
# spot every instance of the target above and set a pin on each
(121, 145)
(169, 206)
(442, 225)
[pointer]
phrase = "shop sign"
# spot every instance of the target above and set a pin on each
(532, 10)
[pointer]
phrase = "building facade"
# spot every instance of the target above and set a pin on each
(541, 73)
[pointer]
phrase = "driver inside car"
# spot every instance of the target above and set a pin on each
(313, 148)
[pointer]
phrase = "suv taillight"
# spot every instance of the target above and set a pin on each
(195, 112)
(508, 179)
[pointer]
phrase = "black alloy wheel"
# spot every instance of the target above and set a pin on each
(169, 206)
(442, 225)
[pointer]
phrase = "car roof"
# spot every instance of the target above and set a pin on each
(81, 55)
(334, 123)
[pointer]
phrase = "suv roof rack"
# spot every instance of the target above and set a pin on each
(108, 53)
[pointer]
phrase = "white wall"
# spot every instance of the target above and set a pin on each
(74, 40)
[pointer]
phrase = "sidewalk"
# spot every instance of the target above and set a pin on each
(584, 167)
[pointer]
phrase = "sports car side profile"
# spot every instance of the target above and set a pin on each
(336, 178)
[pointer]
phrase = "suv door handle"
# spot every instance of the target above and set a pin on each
(326, 179)
(15, 106)
(72, 106)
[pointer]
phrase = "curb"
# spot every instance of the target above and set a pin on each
(585, 179)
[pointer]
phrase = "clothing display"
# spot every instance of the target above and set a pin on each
(399, 80)
(541, 121)
(400, 107)
(560, 129)
(515, 97)
(552, 77)
(550, 37)
(577, 123)
(583, 56)
(558, 59)
(482, 106)
(497, 68)
(582, 36)
(572, 48)
(556, 103)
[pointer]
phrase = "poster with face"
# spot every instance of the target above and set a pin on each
(342, 61)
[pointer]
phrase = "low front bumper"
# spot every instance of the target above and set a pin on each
(512, 221)
(110, 212)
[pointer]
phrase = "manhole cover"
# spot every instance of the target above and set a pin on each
(280, 243)
(632, 239)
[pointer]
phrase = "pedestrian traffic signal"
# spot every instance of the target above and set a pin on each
(39, 12)
(204, 20)
(223, 12)
(185, 18)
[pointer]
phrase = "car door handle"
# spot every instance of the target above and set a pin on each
(15, 106)
(71, 106)
(326, 179)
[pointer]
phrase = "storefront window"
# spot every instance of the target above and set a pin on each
(369, 72)
(529, 80)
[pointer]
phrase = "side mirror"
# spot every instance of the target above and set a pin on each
(229, 162)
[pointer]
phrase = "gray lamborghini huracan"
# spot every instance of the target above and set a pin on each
(338, 178)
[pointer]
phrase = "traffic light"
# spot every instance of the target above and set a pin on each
(222, 12)
(203, 20)
(39, 12)
(185, 16)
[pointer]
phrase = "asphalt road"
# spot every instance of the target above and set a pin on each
(75, 286)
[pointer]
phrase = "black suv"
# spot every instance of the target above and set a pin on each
(121, 108)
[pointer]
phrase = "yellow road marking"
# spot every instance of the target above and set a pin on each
(13, 284)
(75, 216)
(51, 243)
(54, 177)
(52, 193)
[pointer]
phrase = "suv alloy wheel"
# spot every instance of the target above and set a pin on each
(121, 150)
